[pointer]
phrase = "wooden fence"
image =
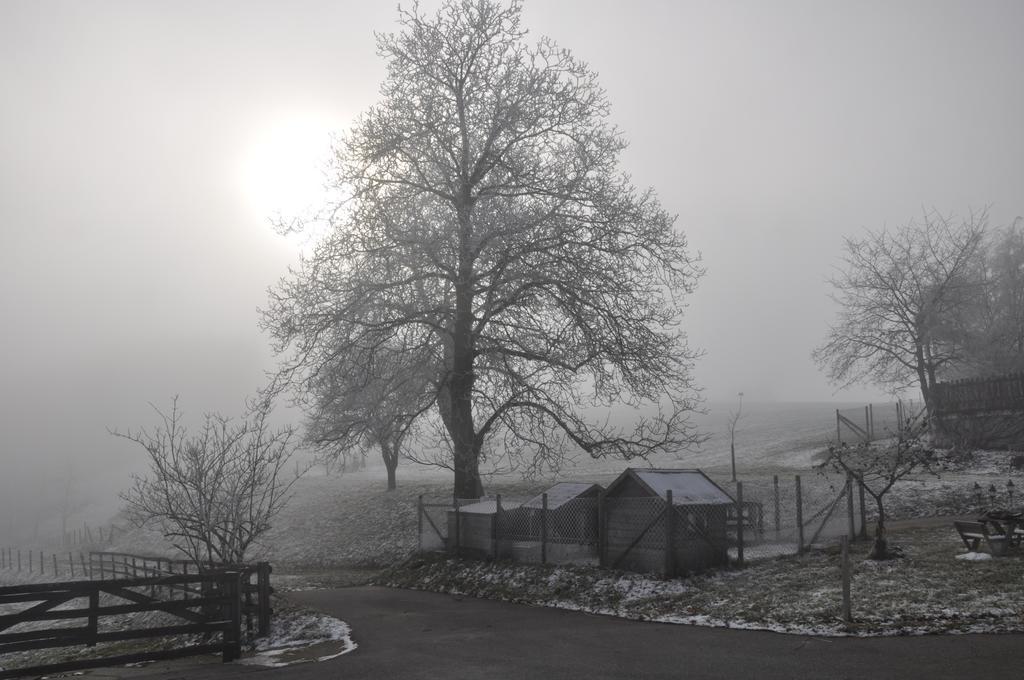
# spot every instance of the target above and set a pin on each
(98, 565)
(208, 603)
(979, 395)
(256, 605)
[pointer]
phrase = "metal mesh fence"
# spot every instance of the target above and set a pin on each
(780, 515)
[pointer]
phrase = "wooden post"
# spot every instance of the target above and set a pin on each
(94, 616)
(799, 518)
(30, 560)
(851, 529)
(54, 556)
(263, 570)
(419, 523)
(85, 572)
(844, 545)
(871, 419)
(19, 559)
(232, 588)
(544, 528)
(778, 523)
(458, 528)
(863, 513)
(739, 524)
(601, 522)
(670, 531)
(496, 526)
(42, 561)
(867, 424)
(71, 564)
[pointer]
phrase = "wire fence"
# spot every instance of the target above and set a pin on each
(765, 518)
(874, 422)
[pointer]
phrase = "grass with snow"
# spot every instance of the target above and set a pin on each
(928, 591)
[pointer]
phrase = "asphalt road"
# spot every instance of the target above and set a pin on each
(406, 634)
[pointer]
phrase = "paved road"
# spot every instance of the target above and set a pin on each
(406, 634)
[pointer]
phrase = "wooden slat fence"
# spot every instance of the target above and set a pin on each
(977, 395)
(217, 610)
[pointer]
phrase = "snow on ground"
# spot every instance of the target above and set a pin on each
(301, 637)
(931, 590)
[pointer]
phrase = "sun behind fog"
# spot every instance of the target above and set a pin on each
(282, 170)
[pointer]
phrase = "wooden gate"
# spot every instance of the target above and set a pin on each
(206, 604)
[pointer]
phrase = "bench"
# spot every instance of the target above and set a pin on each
(973, 533)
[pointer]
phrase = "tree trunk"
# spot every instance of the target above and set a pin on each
(389, 454)
(461, 375)
(880, 551)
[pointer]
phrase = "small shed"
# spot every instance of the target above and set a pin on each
(571, 511)
(642, 533)
(471, 528)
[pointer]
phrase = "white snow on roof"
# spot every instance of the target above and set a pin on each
(689, 487)
(480, 508)
(559, 495)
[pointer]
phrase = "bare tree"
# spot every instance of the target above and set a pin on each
(734, 420)
(878, 466)
(359, 401)
(903, 295)
(486, 225)
(214, 492)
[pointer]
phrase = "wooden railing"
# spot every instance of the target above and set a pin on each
(256, 605)
(216, 609)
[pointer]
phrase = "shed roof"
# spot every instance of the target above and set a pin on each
(688, 487)
(561, 493)
(479, 508)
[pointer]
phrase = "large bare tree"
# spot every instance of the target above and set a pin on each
(904, 297)
(486, 224)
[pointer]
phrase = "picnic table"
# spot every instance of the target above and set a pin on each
(1007, 523)
(1000, 530)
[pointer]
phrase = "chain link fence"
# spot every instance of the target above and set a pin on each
(767, 518)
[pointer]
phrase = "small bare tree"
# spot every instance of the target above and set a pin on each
(878, 466)
(734, 420)
(214, 492)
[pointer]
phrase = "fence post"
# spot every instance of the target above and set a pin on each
(778, 523)
(85, 572)
(850, 523)
(263, 570)
(799, 518)
(863, 512)
(19, 559)
(867, 424)
(232, 589)
(670, 544)
(54, 556)
(42, 563)
(544, 528)
(739, 524)
(496, 526)
(601, 522)
(71, 564)
(844, 545)
(458, 529)
(94, 615)
(419, 523)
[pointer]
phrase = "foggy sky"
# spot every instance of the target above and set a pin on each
(135, 254)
